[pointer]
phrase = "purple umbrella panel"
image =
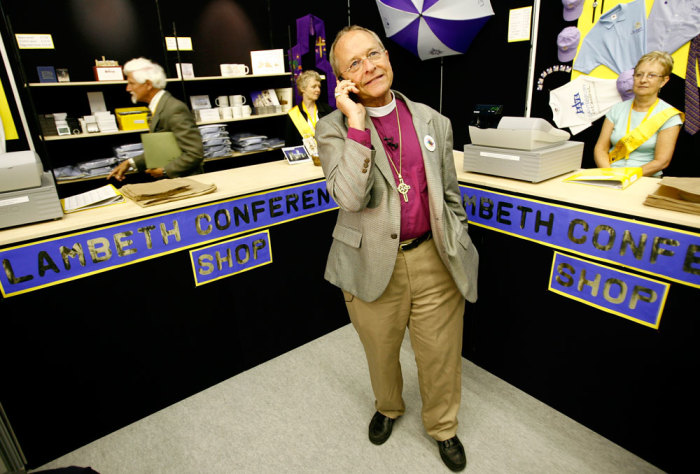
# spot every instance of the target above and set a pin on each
(434, 28)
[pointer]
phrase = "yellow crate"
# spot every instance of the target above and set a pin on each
(132, 118)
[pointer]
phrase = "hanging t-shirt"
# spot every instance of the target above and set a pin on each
(672, 24)
(645, 152)
(617, 41)
(582, 101)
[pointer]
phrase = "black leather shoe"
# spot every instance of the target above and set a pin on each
(380, 428)
(452, 454)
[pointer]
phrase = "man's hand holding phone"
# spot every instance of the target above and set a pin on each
(348, 103)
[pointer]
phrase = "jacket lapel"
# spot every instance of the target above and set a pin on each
(156, 116)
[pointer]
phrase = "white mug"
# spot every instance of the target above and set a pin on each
(247, 110)
(226, 113)
(227, 69)
(240, 69)
(221, 101)
(237, 99)
(237, 111)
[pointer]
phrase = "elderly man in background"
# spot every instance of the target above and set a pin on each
(401, 252)
(146, 83)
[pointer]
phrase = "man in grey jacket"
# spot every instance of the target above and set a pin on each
(146, 83)
(401, 252)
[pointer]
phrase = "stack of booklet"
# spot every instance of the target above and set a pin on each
(103, 196)
(165, 190)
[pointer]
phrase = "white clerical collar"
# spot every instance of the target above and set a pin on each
(384, 110)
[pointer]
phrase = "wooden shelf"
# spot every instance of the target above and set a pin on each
(170, 79)
(52, 138)
(235, 154)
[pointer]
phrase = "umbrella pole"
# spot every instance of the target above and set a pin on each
(441, 73)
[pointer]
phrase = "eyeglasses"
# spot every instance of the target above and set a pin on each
(374, 56)
(650, 75)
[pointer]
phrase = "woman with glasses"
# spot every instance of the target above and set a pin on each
(642, 131)
(302, 118)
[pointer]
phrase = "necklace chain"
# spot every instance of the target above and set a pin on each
(403, 188)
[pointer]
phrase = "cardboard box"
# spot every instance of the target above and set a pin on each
(132, 118)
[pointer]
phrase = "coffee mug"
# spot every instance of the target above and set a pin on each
(227, 69)
(247, 110)
(221, 101)
(237, 99)
(226, 113)
(237, 111)
(240, 69)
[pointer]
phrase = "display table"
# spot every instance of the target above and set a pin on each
(588, 302)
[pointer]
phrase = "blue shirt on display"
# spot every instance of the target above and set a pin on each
(617, 41)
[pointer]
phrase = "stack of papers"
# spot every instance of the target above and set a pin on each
(165, 190)
(99, 197)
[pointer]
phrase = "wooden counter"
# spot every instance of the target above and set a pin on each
(628, 201)
(229, 183)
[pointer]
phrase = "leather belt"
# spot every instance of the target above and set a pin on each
(416, 242)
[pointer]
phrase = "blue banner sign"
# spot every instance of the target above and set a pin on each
(657, 250)
(56, 260)
(627, 295)
(228, 258)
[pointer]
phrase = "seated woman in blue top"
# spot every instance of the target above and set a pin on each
(641, 132)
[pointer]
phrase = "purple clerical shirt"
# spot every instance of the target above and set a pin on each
(415, 214)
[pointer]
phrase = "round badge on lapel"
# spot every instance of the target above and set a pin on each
(429, 142)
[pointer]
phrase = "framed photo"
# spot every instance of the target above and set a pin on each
(270, 61)
(200, 102)
(296, 154)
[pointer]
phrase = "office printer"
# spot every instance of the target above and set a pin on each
(525, 148)
(27, 192)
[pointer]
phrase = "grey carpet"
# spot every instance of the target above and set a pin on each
(308, 411)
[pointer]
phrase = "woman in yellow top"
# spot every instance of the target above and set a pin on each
(302, 118)
(641, 132)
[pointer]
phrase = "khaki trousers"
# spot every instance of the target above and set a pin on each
(422, 297)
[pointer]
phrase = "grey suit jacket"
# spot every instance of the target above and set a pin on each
(172, 115)
(366, 235)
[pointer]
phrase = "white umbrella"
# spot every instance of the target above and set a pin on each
(434, 28)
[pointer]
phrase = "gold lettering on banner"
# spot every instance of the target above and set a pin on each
(692, 257)
(121, 244)
(604, 229)
(572, 225)
(565, 279)
(594, 284)
(637, 248)
(622, 292)
(46, 263)
(227, 219)
(228, 259)
(649, 297)
(657, 250)
(175, 231)
(198, 224)
(246, 254)
(146, 231)
(7, 266)
(76, 251)
(99, 250)
(205, 264)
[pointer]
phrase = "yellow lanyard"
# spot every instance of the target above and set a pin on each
(629, 117)
(312, 117)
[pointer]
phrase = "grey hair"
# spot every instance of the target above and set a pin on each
(305, 77)
(331, 54)
(142, 70)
